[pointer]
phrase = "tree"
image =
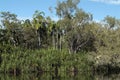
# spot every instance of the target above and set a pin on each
(111, 21)
(3, 37)
(11, 24)
(74, 20)
(7, 18)
(27, 23)
(65, 11)
(37, 22)
(66, 8)
(81, 18)
(51, 28)
(30, 38)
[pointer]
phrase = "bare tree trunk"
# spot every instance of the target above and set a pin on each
(60, 35)
(53, 41)
(57, 42)
(14, 72)
(60, 43)
(81, 45)
(39, 40)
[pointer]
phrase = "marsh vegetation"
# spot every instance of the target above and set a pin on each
(74, 43)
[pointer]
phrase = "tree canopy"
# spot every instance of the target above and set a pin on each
(75, 30)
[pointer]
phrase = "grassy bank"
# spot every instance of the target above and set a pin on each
(17, 60)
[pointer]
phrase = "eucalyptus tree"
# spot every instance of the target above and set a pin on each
(73, 20)
(66, 8)
(65, 11)
(11, 24)
(30, 38)
(111, 21)
(111, 37)
(7, 18)
(3, 37)
(80, 35)
(81, 18)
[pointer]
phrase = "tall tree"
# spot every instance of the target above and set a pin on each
(11, 24)
(7, 18)
(38, 19)
(111, 21)
(65, 11)
(27, 23)
(66, 8)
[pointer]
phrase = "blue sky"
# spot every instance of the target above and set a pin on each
(101, 8)
(25, 8)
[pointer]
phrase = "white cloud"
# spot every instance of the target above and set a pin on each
(115, 2)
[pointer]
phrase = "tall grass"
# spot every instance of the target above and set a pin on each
(29, 61)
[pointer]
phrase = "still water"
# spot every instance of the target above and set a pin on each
(62, 76)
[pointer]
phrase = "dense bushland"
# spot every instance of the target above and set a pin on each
(35, 61)
(73, 43)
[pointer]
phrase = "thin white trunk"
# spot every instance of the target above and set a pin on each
(53, 41)
(60, 43)
(39, 40)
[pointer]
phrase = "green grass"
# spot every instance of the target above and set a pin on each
(19, 60)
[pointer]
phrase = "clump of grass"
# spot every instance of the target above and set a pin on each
(32, 61)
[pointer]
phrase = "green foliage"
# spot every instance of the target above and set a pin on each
(66, 8)
(28, 61)
(111, 21)
(42, 44)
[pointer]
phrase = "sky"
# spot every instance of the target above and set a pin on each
(26, 8)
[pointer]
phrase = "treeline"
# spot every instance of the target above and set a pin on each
(75, 31)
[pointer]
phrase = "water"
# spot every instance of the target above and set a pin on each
(62, 76)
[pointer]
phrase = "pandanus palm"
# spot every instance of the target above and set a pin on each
(38, 18)
(51, 30)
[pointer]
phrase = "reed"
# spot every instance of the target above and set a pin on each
(33, 61)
